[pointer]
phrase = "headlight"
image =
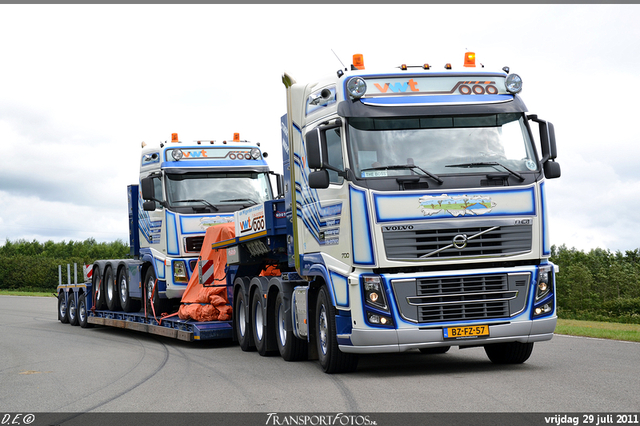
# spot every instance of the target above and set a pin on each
(180, 271)
(374, 292)
(255, 153)
(514, 83)
(544, 284)
(356, 87)
(176, 154)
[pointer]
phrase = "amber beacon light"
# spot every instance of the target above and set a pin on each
(469, 59)
(358, 61)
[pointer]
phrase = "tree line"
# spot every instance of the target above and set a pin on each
(594, 285)
(33, 266)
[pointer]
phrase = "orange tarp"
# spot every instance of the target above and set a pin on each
(209, 303)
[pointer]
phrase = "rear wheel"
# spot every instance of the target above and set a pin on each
(72, 311)
(126, 302)
(243, 328)
(98, 290)
(258, 324)
(290, 347)
(509, 353)
(62, 308)
(332, 360)
(82, 311)
(111, 291)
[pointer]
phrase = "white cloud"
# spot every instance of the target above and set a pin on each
(83, 85)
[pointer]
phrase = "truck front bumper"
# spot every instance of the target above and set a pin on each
(379, 340)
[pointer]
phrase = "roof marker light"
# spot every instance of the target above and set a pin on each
(403, 67)
(469, 59)
(426, 66)
(358, 61)
(447, 67)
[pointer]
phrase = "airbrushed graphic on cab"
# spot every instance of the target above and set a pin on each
(461, 205)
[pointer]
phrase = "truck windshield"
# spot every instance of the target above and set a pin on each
(398, 146)
(216, 192)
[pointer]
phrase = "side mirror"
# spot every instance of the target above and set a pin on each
(319, 179)
(551, 170)
(147, 188)
(149, 206)
(316, 149)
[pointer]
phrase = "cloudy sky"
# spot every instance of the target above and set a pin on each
(81, 86)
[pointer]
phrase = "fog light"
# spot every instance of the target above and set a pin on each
(514, 83)
(376, 319)
(255, 153)
(176, 154)
(356, 87)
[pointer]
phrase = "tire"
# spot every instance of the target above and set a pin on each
(111, 291)
(62, 308)
(435, 351)
(241, 320)
(72, 309)
(290, 347)
(98, 289)
(509, 353)
(258, 324)
(82, 312)
(332, 360)
(160, 306)
(126, 302)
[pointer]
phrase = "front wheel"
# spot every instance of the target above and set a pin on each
(155, 305)
(62, 308)
(332, 360)
(509, 353)
(290, 347)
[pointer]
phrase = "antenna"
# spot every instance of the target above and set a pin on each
(345, 68)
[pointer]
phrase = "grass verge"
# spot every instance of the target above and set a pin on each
(598, 329)
(27, 293)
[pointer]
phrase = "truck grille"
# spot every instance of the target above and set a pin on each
(413, 244)
(193, 244)
(460, 298)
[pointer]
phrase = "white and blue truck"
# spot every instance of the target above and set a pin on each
(414, 217)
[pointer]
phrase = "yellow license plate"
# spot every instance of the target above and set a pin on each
(466, 332)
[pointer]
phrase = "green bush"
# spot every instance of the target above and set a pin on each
(34, 266)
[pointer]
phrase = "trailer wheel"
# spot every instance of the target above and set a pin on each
(290, 347)
(62, 308)
(332, 360)
(243, 328)
(82, 311)
(72, 312)
(258, 325)
(435, 351)
(111, 291)
(97, 286)
(126, 302)
(509, 353)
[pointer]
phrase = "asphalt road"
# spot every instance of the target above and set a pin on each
(46, 366)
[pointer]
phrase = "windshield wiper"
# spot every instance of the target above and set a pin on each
(198, 201)
(404, 167)
(488, 163)
(232, 200)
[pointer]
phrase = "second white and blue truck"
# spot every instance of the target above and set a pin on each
(414, 217)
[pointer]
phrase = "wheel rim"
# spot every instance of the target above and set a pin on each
(242, 319)
(82, 311)
(110, 288)
(323, 329)
(63, 308)
(123, 288)
(150, 289)
(72, 309)
(258, 321)
(282, 332)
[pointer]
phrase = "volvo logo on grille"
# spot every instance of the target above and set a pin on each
(460, 241)
(398, 228)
